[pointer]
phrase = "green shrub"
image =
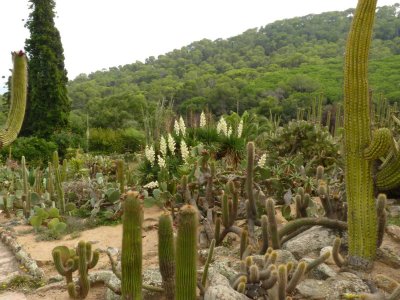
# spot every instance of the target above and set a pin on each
(106, 140)
(37, 151)
(65, 140)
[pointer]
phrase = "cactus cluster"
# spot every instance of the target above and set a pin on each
(177, 259)
(67, 261)
(271, 280)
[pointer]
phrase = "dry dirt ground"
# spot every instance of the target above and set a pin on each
(101, 237)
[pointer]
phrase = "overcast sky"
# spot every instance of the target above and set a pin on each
(98, 34)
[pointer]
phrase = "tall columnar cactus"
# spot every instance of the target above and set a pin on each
(251, 204)
(86, 260)
(26, 186)
(131, 259)
(186, 254)
(18, 100)
(121, 175)
(166, 254)
(58, 183)
(362, 220)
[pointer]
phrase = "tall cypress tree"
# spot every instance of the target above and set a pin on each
(48, 104)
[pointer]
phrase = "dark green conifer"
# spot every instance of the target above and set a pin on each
(48, 105)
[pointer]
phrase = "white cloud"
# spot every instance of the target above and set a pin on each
(99, 34)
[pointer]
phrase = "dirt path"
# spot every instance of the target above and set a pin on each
(9, 267)
(8, 264)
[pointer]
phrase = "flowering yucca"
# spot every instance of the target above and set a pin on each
(150, 154)
(182, 126)
(163, 146)
(161, 161)
(262, 160)
(203, 121)
(222, 126)
(184, 151)
(171, 143)
(151, 185)
(176, 127)
(229, 131)
(240, 129)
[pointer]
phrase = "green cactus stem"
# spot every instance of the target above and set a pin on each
(86, 260)
(270, 282)
(65, 261)
(58, 183)
(217, 230)
(388, 177)
(207, 264)
(5, 207)
(27, 193)
(382, 216)
(362, 221)
(272, 225)
(50, 181)
(131, 258)
(251, 205)
(381, 143)
(254, 274)
(241, 287)
(186, 254)
(121, 175)
(166, 254)
(295, 225)
(264, 228)
(64, 170)
(38, 185)
(337, 257)
(297, 275)
(19, 87)
(282, 282)
(244, 242)
(395, 295)
(302, 201)
(316, 262)
(210, 185)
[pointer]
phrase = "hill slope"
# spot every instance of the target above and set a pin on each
(278, 67)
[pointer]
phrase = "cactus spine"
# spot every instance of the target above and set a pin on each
(362, 221)
(131, 259)
(19, 89)
(166, 254)
(186, 254)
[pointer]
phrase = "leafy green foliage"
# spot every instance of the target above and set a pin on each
(279, 67)
(115, 141)
(36, 150)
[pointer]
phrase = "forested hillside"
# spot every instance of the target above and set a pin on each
(278, 67)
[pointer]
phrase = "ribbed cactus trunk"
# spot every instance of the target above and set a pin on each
(19, 88)
(186, 254)
(131, 259)
(362, 220)
(166, 254)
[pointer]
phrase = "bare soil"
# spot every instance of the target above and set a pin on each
(102, 237)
